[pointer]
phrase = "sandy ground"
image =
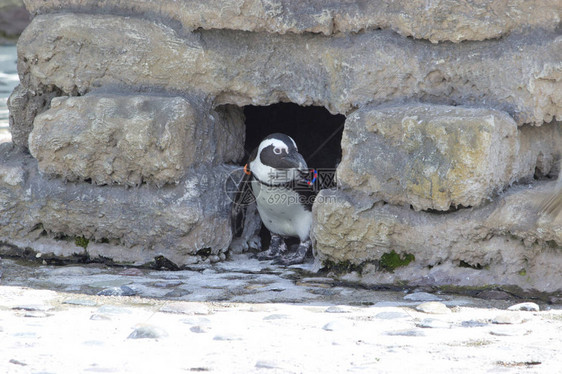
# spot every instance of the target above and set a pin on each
(245, 316)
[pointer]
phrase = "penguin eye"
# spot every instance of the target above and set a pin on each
(277, 150)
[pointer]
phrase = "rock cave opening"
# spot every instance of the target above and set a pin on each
(316, 131)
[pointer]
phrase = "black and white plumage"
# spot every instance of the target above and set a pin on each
(275, 179)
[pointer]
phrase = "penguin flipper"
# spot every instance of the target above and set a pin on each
(552, 205)
(243, 197)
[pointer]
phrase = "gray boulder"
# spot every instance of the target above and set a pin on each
(24, 105)
(184, 223)
(128, 139)
(505, 242)
(437, 157)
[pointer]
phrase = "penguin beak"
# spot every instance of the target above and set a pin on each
(295, 161)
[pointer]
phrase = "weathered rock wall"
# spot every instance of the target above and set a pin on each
(341, 72)
(432, 20)
(130, 226)
(452, 134)
(502, 243)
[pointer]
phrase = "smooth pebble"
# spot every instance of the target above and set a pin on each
(118, 291)
(337, 325)
(529, 307)
(147, 332)
(412, 332)
(422, 296)
(337, 309)
(433, 307)
(34, 307)
(227, 337)
(36, 314)
(391, 315)
(508, 331)
(199, 329)
(81, 302)
(509, 318)
(473, 323)
(431, 323)
(262, 364)
(273, 317)
(167, 284)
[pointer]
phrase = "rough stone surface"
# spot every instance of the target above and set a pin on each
(504, 242)
(47, 216)
(520, 75)
(130, 139)
(432, 157)
(433, 307)
(431, 323)
(437, 157)
(437, 20)
(370, 338)
(528, 306)
(25, 105)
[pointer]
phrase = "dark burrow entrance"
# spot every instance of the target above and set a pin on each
(316, 131)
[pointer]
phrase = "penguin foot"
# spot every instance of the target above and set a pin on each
(277, 247)
(295, 258)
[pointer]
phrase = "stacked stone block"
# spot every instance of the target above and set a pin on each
(453, 129)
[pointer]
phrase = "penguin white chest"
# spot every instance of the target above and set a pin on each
(281, 211)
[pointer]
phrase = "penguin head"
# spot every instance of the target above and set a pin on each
(278, 160)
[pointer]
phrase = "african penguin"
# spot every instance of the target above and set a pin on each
(275, 175)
